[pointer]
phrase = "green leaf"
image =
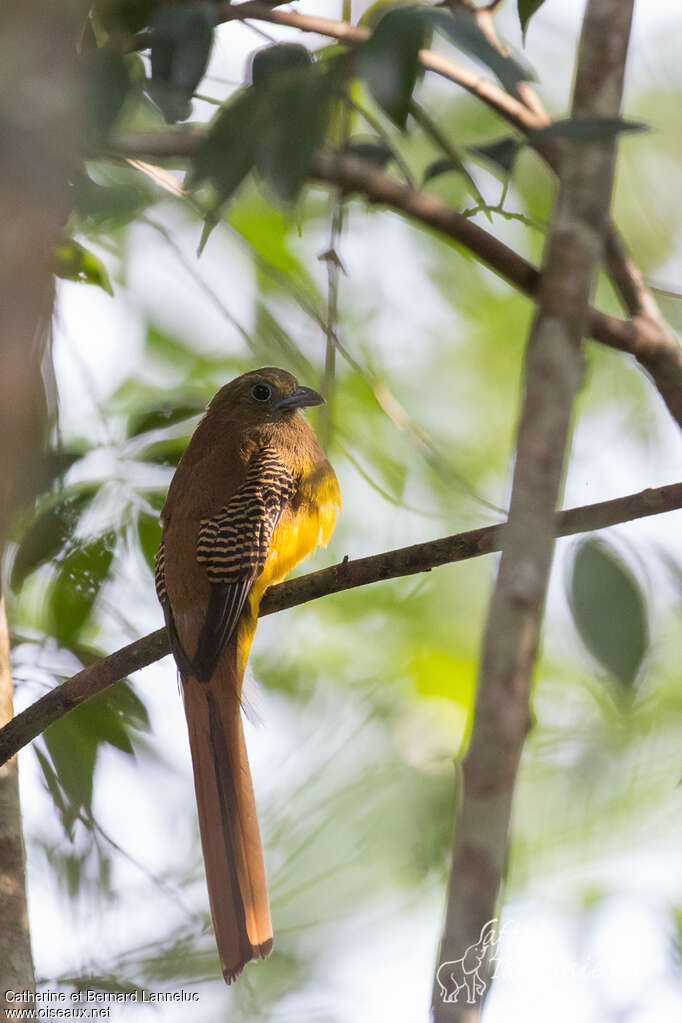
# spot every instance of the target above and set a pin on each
(51, 530)
(275, 125)
(371, 16)
(462, 30)
(389, 61)
(73, 743)
(78, 584)
(587, 129)
(373, 150)
(107, 727)
(526, 10)
(502, 153)
(73, 752)
(149, 535)
(107, 206)
(301, 103)
(442, 166)
(123, 701)
(273, 60)
(76, 263)
(107, 85)
(609, 610)
(53, 787)
(229, 152)
(210, 223)
(182, 36)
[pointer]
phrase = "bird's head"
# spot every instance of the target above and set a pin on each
(266, 395)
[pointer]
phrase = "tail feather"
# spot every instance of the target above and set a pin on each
(233, 855)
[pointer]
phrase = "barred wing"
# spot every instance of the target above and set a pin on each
(234, 545)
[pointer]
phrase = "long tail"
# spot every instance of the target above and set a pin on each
(233, 855)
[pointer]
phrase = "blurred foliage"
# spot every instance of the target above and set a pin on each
(609, 610)
(75, 263)
(181, 40)
(372, 689)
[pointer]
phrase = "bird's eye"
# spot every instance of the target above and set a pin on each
(261, 392)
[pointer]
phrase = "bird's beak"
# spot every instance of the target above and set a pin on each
(300, 398)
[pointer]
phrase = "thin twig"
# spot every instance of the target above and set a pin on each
(521, 218)
(344, 576)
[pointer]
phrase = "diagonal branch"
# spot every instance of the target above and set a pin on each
(344, 576)
(657, 347)
(516, 112)
(351, 174)
(660, 352)
(552, 377)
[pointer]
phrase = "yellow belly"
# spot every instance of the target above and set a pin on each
(302, 528)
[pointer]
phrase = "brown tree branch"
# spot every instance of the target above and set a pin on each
(353, 175)
(659, 350)
(516, 112)
(344, 576)
(552, 378)
(651, 339)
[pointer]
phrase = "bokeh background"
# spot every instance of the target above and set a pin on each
(360, 703)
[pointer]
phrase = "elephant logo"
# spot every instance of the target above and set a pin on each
(459, 974)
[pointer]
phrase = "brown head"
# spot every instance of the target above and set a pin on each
(260, 407)
(262, 396)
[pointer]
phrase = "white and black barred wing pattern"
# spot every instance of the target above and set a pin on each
(160, 575)
(233, 545)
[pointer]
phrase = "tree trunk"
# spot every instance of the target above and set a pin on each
(40, 128)
(510, 643)
(40, 132)
(16, 962)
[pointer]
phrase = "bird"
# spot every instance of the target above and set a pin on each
(252, 496)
